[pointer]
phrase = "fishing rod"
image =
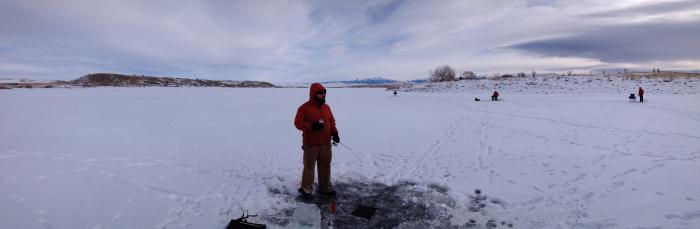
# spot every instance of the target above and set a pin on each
(357, 156)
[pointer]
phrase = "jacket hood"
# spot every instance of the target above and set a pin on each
(315, 87)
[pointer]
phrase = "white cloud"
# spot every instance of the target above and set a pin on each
(284, 41)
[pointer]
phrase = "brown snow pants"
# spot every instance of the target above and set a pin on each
(313, 154)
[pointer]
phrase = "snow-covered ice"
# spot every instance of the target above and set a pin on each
(306, 215)
(197, 157)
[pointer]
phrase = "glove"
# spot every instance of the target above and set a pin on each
(316, 126)
(336, 138)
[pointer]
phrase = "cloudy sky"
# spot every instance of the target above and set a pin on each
(304, 41)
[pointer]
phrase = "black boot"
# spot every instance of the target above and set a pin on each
(329, 193)
(304, 194)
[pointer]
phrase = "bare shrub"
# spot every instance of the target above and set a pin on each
(467, 75)
(442, 73)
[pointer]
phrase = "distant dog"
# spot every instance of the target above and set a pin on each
(477, 99)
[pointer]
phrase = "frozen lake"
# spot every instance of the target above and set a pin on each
(194, 157)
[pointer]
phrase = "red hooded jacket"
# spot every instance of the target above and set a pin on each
(641, 91)
(311, 112)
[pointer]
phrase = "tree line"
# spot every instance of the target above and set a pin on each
(447, 73)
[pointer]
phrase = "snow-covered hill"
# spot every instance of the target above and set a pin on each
(564, 85)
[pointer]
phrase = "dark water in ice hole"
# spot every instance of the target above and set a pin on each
(402, 205)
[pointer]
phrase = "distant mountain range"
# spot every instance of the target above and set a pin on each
(375, 80)
(119, 80)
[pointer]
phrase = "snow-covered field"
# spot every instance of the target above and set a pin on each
(195, 157)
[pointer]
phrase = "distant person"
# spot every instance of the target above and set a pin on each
(494, 97)
(641, 95)
(477, 99)
(315, 119)
(395, 93)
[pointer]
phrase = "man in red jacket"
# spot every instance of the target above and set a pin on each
(641, 95)
(315, 119)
